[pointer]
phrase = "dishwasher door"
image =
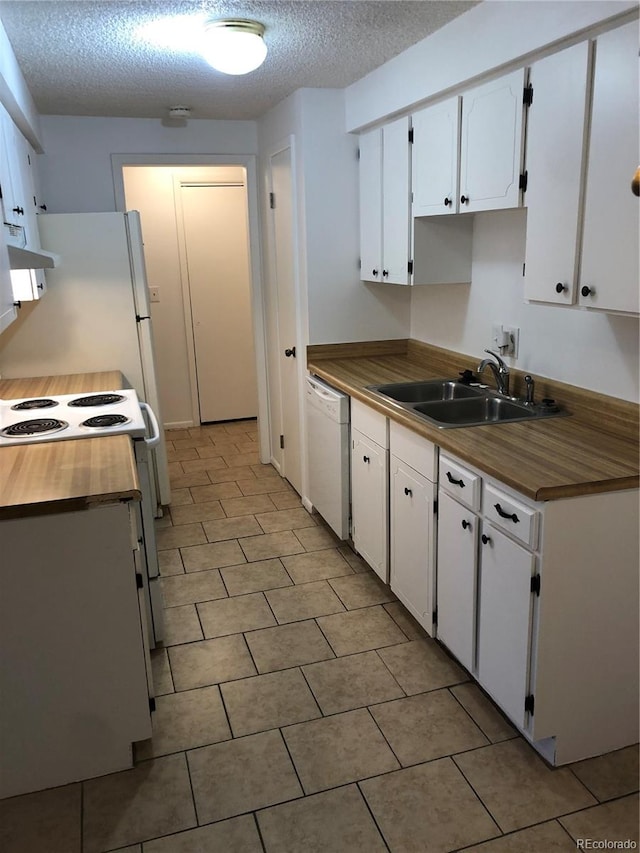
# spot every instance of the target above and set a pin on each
(328, 450)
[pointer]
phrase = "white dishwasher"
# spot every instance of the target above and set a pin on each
(328, 434)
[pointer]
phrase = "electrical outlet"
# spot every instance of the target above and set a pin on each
(154, 294)
(513, 333)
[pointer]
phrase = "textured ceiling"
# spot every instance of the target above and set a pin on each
(85, 57)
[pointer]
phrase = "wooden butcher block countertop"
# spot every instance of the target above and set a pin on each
(593, 450)
(55, 476)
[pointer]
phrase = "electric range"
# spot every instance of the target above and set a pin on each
(72, 416)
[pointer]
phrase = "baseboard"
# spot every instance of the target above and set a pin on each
(306, 503)
(179, 425)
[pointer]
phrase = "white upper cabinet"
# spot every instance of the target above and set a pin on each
(491, 145)
(371, 205)
(555, 143)
(609, 272)
(8, 311)
(435, 158)
(385, 203)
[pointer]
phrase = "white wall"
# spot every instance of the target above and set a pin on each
(496, 34)
(340, 306)
(76, 167)
(584, 348)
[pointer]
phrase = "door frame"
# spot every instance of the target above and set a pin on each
(249, 162)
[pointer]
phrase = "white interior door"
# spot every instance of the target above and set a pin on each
(283, 270)
(217, 259)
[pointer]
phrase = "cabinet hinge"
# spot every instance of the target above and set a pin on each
(524, 180)
(410, 134)
(535, 584)
(152, 704)
(359, 263)
(435, 507)
(434, 616)
(410, 267)
(523, 266)
(527, 95)
(357, 153)
(529, 703)
(281, 442)
(139, 582)
(272, 201)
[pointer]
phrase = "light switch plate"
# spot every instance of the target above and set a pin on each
(154, 294)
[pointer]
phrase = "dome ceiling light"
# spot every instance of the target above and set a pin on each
(233, 46)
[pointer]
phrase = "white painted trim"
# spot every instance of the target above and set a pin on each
(179, 425)
(118, 161)
(186, 300)
(306, 503)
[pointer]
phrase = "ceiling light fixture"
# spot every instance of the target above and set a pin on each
(233, 46)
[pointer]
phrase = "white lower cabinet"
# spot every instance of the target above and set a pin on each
(74, 677)
(412, 528)
(539, 601)
(457, 579)
(370, 487)
(505, 606)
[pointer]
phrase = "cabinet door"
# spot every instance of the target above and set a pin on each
(457, 579)
(491, 144)
(8, 311)
(609, 275)
(370, 502)
(411, 540)
(14, 168)
(555, 143)
(370, 169)
(396, 202)
(435, 158)
(504, 621)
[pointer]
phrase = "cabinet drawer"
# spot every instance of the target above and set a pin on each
(519, 520)
(370, 423)
(415, 451)
(463, 484)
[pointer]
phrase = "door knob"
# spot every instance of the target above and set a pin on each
(290, 352)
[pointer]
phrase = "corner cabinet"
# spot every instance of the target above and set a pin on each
(385, 204)
(539, 602)
(370, 487)
(582, 151)
(610, 269)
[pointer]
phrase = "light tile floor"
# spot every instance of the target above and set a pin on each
(300, 708)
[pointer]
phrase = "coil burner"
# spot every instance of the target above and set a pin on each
(97, 400)
(105, 421)
(39, 426)
(27, 405)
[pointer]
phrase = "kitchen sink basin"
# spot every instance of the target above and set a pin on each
(472, 411)
(447, 403)
(423, 392)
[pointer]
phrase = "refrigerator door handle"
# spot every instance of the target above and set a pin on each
(154, 439)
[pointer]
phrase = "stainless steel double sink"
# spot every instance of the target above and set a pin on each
(448, 403)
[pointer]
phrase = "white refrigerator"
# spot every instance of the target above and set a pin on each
(95, 314)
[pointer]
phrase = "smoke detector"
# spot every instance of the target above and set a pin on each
(179, 112)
